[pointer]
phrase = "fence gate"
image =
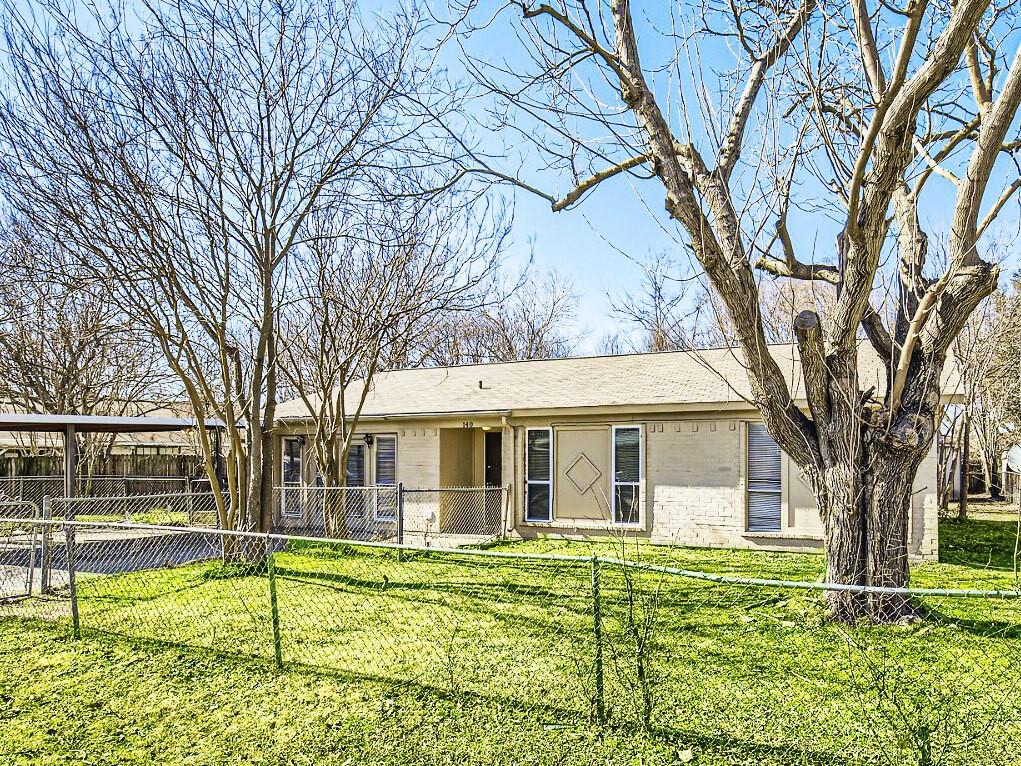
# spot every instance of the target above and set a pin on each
(20, 545)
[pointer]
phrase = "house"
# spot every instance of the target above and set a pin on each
(661, 445)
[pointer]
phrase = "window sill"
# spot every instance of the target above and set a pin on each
(783, 535)
(603, 526)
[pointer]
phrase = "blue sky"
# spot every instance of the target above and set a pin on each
(596, 244)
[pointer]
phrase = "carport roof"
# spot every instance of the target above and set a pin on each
(97, 423)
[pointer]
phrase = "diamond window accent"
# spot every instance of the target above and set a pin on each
(583, 473)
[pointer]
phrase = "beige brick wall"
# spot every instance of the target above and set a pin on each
(924, 528)
(694, 486)
(695, 494)
(694, 482)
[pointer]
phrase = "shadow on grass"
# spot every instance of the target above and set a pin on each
(748, 750)
(513, 711)
(984, 628)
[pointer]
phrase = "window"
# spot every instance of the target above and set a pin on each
(538, 474)
(386, 476)
(627, 474)
(291, 467)
(355, 471)
(290, 470)
(764, 483)
(355, 501)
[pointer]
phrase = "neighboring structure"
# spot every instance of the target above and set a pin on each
(19, 444)
(665, 446)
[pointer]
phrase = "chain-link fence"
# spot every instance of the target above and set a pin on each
(444, 517)
(749, 670)
(34, 488)
(18, 569)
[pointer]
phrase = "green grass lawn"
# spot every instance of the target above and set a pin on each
(448, 658)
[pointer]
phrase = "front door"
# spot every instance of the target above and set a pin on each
(493, 478)
(494, 459)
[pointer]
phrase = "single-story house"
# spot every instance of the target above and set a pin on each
(661, 445)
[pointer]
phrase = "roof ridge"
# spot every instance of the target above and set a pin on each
(666, 352)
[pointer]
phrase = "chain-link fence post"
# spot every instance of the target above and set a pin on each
(597, 634)
(32, 549)
(72, 588)
(400, 513)
(44, 553)
(278, 652)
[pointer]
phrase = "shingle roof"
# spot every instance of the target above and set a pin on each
(710, 377)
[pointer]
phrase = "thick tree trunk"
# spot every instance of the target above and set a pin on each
(844, 525)
(889, 488)
(865, 503)
(863, 478)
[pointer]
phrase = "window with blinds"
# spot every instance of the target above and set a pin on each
(764, 482)
(386, 476)
(539, 474)
(627, 474)
(386, 461)
(355, 472)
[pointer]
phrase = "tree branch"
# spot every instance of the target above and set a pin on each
(595, 179)
(813, 364)
(730, 151)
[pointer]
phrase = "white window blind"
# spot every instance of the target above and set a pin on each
(386, 461)
(539, 474)
(627, 474)
(386, 476)
(764, 483)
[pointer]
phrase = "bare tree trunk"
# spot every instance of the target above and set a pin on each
(889, 484)
(843, 516)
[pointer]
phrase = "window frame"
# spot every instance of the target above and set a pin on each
(779, 491)
(640, 522)
(390, 516)
(548, 482)
(351, 450)
(286, 508)
(285, 458)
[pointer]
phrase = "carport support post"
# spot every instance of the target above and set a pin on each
(274, 611)
(597, 633)
(70, 473)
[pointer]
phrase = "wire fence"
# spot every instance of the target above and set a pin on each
(34, 488)
(393, 513)
(740, 667)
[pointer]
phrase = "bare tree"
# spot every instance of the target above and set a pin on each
(184, 151)
(857, 112)
(988, 354)
(661, 313)
(358, 293)
(533, 320)
(65, 348)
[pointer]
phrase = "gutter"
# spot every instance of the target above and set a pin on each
(408, 416)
